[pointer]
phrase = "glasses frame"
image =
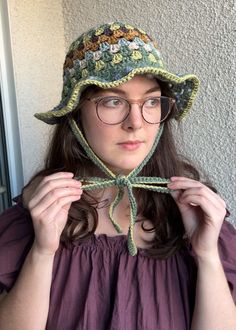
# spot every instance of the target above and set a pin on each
(140, 102)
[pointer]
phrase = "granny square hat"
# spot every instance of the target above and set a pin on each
(109, 55)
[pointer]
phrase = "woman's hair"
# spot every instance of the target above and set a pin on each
(66, 154)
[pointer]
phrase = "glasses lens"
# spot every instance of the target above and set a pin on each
(156, 110)
(112, 110)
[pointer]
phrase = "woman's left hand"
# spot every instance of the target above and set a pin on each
(203, 213)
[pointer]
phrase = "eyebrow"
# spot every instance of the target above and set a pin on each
(121, 92)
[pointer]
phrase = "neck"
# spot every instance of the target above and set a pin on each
(108, 194)
(121, 212)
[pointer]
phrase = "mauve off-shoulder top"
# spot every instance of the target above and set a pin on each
(97, 285)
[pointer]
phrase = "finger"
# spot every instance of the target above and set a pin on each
(204, 191)
(209, 207)
(55, 176)
(53, 196)
(183, 183)
(176, 194)
(182, 178)
(205, 201)
(49, 213)
(56, 195)
(201, 189)
(59, 175)
(48, 187)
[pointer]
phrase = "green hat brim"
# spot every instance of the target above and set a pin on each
(183, 89)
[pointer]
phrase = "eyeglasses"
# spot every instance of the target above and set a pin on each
(114, 110)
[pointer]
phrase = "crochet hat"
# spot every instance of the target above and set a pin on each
(110, 55)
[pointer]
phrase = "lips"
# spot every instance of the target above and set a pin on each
(131, 144)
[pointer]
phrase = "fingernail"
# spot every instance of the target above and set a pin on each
(78, 183)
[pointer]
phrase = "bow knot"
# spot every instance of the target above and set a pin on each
(122, 181)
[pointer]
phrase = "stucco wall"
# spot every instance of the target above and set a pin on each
(194, 36)
(37, 37)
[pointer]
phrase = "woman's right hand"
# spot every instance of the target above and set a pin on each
(49, 204)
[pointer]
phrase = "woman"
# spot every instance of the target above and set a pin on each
(119, 232)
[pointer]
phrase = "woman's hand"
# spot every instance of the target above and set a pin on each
(203, 212)
(50, 201)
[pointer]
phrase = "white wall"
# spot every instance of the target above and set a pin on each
(37, 37)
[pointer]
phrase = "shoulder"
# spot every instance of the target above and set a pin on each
(227, 241)
(16, 237)
(227, 248)
(14, 222)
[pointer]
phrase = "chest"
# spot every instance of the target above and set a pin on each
(104, 287)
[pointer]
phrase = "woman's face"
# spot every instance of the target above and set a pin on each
(122, 147)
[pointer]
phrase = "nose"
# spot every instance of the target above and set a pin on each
(134, 120)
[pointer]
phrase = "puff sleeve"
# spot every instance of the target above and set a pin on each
(16, 237)
(227, 250)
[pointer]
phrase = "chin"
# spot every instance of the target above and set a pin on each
(122, 170)
(124, 166)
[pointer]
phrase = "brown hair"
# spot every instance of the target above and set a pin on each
(66, 154)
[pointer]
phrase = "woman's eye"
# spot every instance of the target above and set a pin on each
(152, 102)
(111, 103)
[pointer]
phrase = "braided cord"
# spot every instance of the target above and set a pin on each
(133, 213)
(116, 201)
(121, 181)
